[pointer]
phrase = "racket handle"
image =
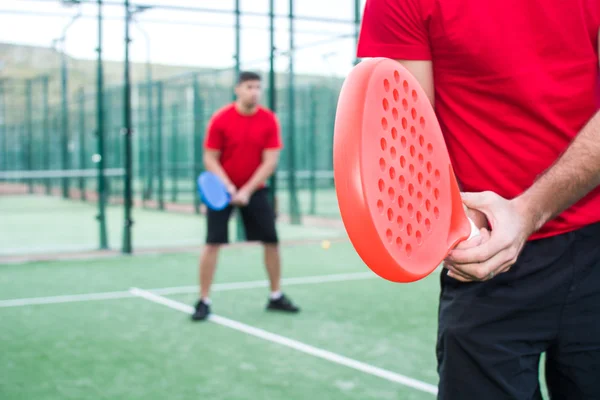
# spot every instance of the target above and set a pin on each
(474, 230)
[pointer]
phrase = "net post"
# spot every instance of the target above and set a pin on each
(293, 195)
(56, 134)
(239, 231)
(331, 128)
(29, 121)
(149, 142)
(272, 96)
(82, 143)
(174, 141)
(127, 134)
(159, 145)
(198, 127)
(140, 163)
(64, 123)
(312, 135)
(356, 27)
(103, 236)
(46, 129)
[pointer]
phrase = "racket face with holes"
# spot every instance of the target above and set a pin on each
(396, 190)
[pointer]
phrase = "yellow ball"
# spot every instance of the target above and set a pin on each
(325, 244)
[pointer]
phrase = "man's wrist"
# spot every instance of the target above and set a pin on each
(532, 210)
(231, 188)
(247, 188)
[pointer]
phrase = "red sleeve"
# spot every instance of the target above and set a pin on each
(274, 139)
(593, 13)
(214, 135)
(394, 29)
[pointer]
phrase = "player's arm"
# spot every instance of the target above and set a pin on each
(574, 175)
(270, 159)
(212, 153)
(569, 179)
(397, 30)
(422, 70)
(211, 163)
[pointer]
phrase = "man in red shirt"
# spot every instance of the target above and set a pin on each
(242, 147)
(515, 85)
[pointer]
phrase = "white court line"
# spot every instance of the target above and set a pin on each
(218, 287)
(294, 344)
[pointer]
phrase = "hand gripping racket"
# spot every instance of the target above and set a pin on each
(397, 193)
(213, 191)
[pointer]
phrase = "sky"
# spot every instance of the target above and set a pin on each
(189, 38)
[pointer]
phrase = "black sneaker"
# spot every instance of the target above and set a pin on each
(282, 304)
(202, 311)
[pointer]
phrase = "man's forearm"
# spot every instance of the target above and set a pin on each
(214, 166)
(262, 173)
(572, 176)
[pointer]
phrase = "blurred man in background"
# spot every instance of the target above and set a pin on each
(242, 147)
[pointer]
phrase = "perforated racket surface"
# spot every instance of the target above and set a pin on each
(397, 193)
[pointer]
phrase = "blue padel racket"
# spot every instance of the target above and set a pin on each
(212, 191)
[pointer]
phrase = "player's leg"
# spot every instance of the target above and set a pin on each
(259, 223)
(217, 234)
(492, 334)
(273, 266)
(208, 263)
(573, 362)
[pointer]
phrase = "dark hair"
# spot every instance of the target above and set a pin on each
(248, 76)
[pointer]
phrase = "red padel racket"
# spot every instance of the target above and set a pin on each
(397, 193)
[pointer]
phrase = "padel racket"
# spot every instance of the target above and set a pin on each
(213, 191)
(397, 193)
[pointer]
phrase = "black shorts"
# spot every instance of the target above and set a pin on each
(491, 334)
(258, 218)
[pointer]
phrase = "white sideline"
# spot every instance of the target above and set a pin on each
(185, 289)
(294, 344)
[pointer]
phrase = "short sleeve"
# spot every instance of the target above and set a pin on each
(394, 29)
(593, 14)
(214, 135)
(274, 140)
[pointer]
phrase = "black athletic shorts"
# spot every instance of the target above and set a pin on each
(258, 218)
(491, 334)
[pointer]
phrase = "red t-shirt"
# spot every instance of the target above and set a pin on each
(241, 139)
(515, 81)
